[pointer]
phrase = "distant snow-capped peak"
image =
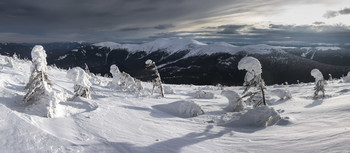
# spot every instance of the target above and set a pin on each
(173, 45)
(108, 44)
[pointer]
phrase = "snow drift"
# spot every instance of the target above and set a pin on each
(184, 109)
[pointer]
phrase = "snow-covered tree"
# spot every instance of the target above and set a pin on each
(320, 82)
(124, 81)
(157, 82)
(253, 79)
(9, 62)
(347, 78)
(82, 84)
(39, 86)
(330, 77)
(114, 70)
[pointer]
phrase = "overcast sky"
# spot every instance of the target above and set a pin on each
(233, 21)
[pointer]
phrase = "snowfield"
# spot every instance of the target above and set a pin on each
(124, 122)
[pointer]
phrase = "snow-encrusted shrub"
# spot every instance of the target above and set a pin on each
(124, 81)
(9, 62)
(168, 90)
(261, 116)
(235, 103)
(203, 95)
(157, 82)
(39, 88)
(320, 82)
(253, 79)
(347, 78)
(82, 84)
(116, 74)
(330, 78)
(281, 93)
(183, 109)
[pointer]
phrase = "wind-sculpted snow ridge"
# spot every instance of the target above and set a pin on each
(173, 45)
(114, 121)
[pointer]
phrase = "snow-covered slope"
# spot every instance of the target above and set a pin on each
(108, 44)
(119, 121)
(173, 45)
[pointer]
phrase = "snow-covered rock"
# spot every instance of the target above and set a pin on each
(258, 117)
(184, 109)
(203, 94)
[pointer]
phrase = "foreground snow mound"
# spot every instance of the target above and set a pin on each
(258, 117)
(183, 109)
(235, 103)
(203, 95)
(281, 93)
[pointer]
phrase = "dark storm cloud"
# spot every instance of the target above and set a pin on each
(157, 27)
(318, 23)
(164, 26)
(131, 29)
(230, 29)
(332, 14)
(119, 20)
(277, 34)
(99, 18)
(345, 11)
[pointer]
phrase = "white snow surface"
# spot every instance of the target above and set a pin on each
(116, 121)
(322, 48)
(173, 45)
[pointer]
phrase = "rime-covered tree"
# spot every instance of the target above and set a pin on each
(39, 91)
(156, 80)
(116, 74)
(9, 62)
(347, 78)
(124, 81)
(253, 79)
(82, 84)
(319, 81)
